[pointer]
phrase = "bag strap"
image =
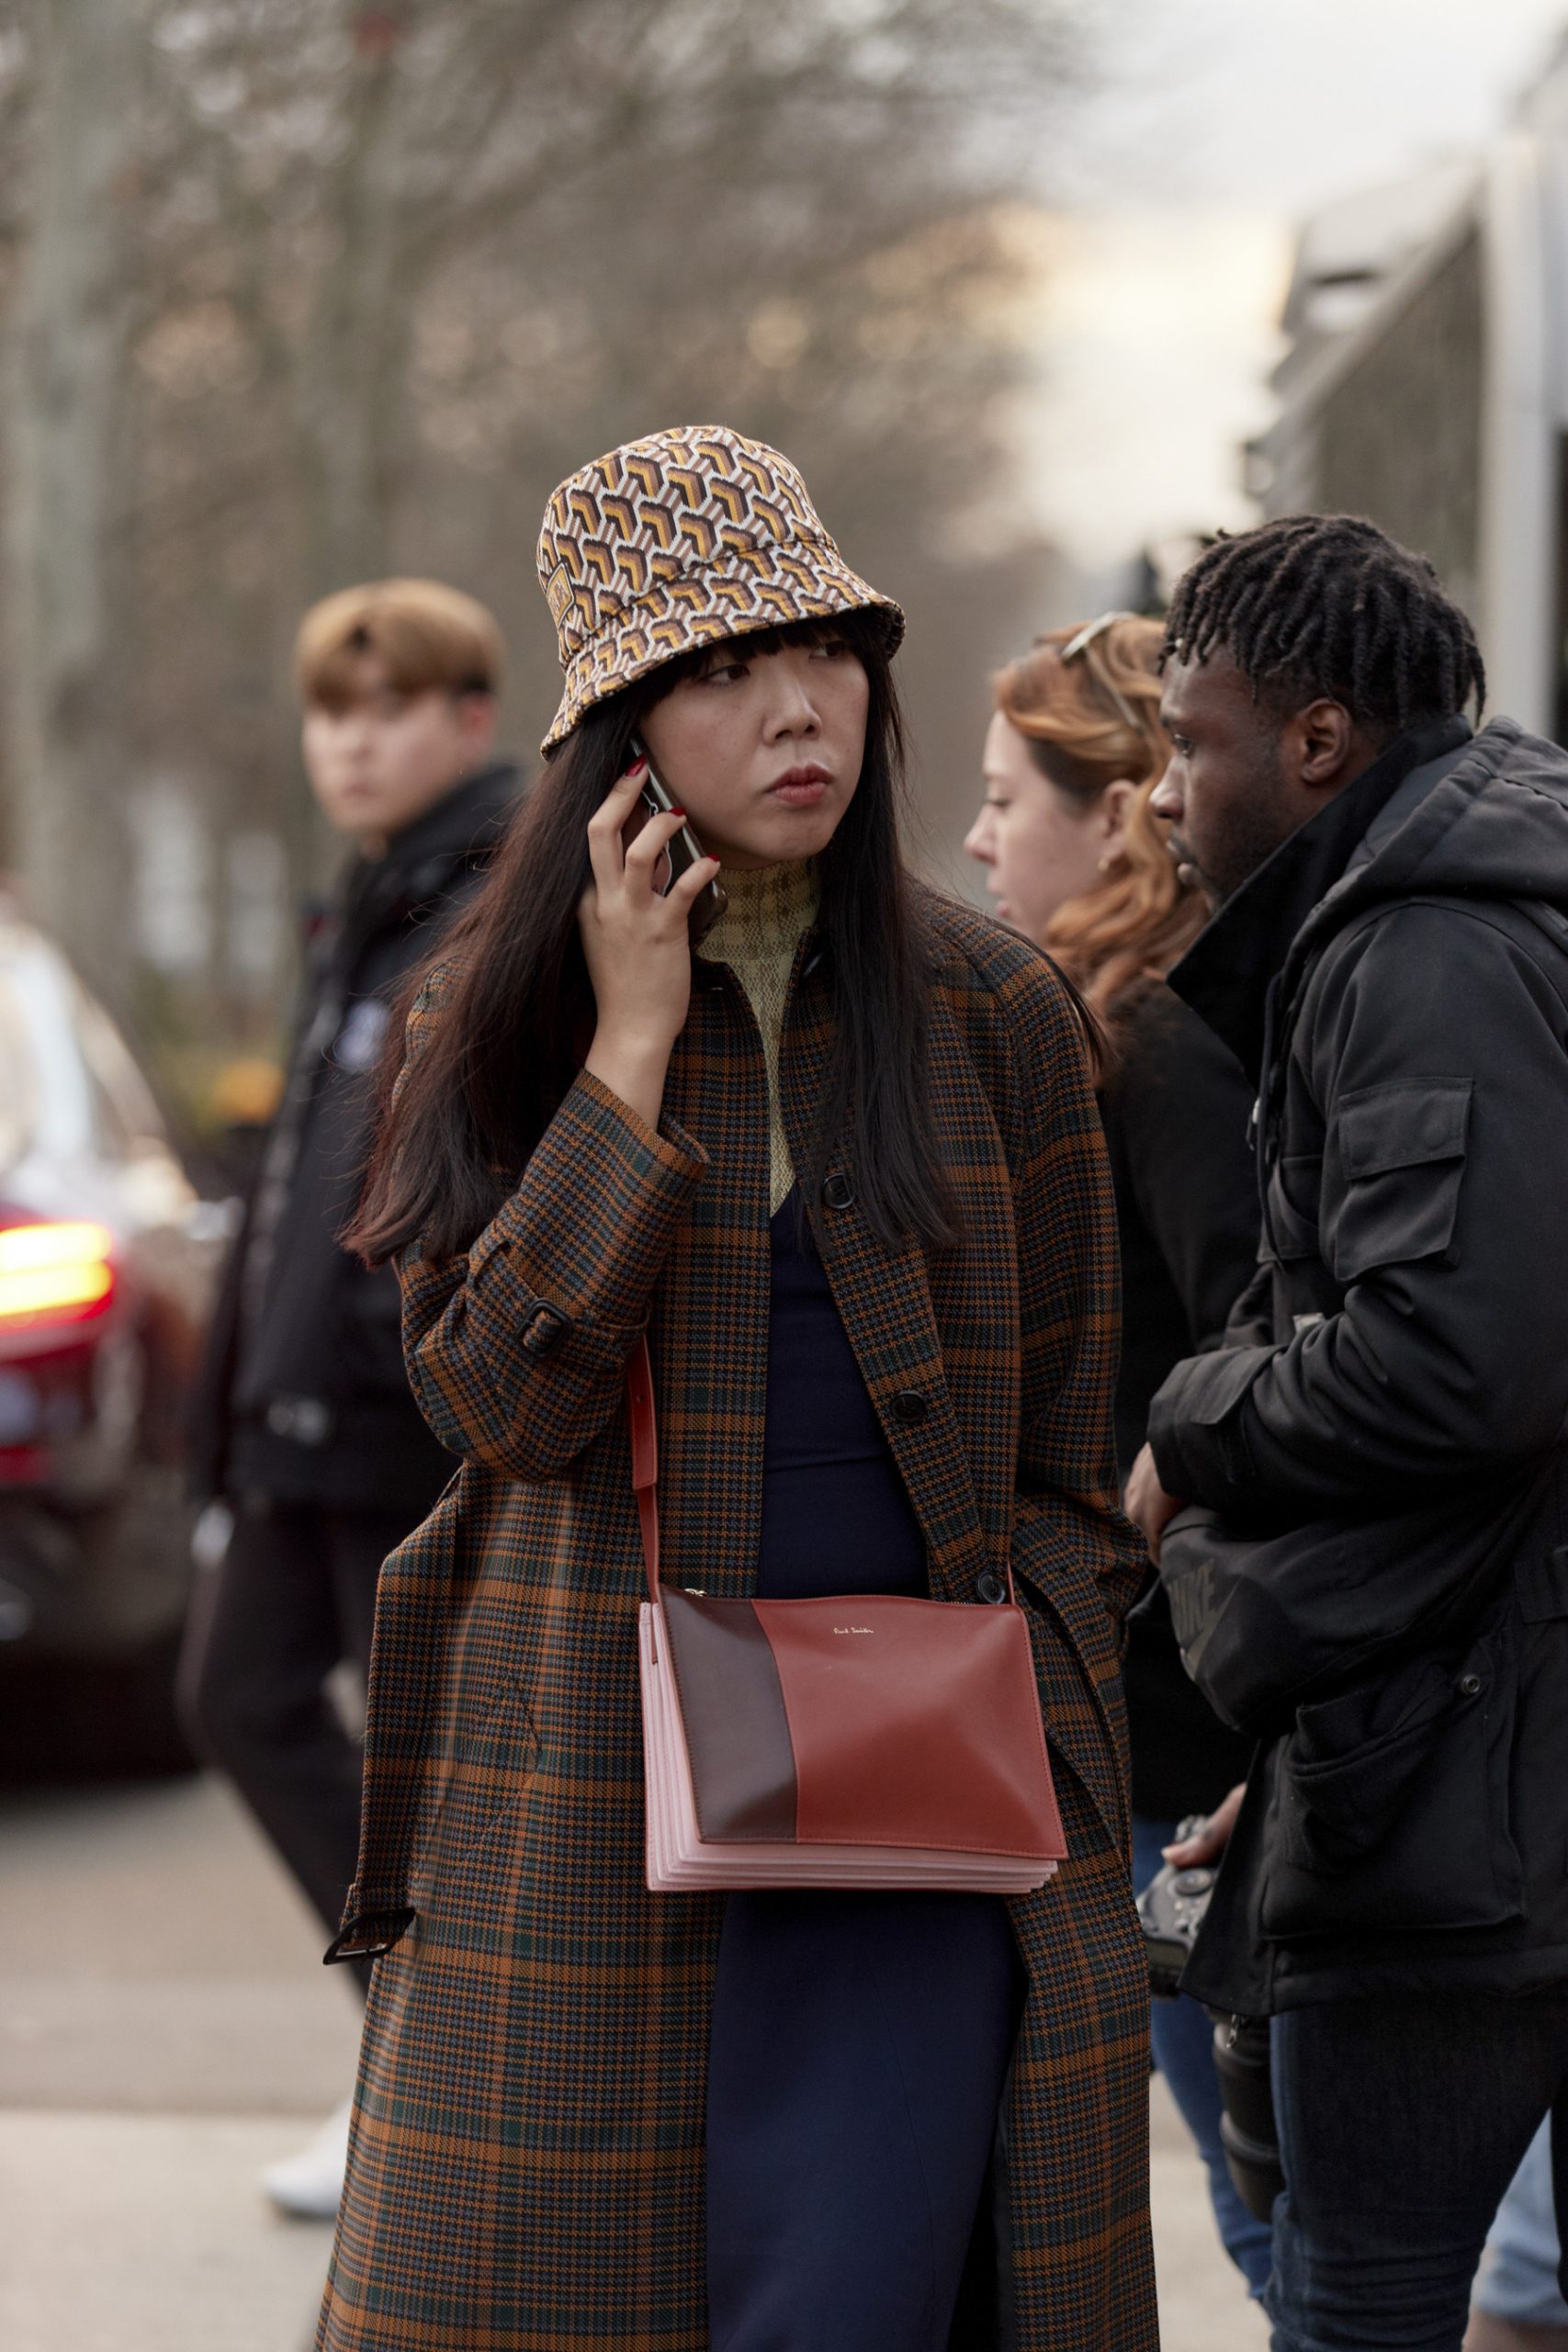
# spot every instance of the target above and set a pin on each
(643, 1432)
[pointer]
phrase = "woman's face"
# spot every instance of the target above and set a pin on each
(1039, 847)
(764, 750)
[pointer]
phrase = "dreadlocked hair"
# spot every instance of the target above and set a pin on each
(1328, 604)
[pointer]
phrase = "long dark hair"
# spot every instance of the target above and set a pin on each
(519, 1017)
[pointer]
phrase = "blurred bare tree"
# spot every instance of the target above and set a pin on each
(68, 350)
(306, 291)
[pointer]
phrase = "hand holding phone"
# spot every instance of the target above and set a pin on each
(684, 850)
(635, 924)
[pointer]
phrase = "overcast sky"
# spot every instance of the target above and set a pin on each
(1216, 124)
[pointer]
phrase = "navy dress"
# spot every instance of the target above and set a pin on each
(861, 2042)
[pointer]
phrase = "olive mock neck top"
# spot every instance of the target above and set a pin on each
(769, 914)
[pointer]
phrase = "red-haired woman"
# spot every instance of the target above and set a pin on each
(1078, 862)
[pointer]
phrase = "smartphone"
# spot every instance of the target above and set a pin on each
(684, 850)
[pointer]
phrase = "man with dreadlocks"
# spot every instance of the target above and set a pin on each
(1362, 1496)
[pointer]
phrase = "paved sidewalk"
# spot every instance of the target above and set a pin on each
(166, 2029)
(1203, 2301)
(146, 2234)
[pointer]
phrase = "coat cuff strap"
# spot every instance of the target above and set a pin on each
(369, 1935)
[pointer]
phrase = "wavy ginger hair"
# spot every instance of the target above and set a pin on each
(1091, 721)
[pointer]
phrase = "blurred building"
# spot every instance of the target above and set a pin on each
(1426, 384)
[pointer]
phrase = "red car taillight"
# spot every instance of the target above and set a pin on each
(54, 1273)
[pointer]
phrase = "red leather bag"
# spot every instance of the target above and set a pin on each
(873, 1741)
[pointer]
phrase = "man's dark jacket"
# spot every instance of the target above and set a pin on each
(304, 1397)
(1375, 1584)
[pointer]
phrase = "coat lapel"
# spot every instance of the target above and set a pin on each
(709, 1333)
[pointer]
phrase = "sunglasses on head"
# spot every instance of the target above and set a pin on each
(1079, 645)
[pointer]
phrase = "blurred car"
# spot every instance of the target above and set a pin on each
(106, 1263)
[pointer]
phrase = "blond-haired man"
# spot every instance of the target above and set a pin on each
(309, 1435)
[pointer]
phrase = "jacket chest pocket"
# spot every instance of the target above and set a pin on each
(1401, 1158)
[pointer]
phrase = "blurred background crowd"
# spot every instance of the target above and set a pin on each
(1039, 294)
(296, 296)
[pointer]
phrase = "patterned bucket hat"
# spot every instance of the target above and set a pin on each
(674, 542)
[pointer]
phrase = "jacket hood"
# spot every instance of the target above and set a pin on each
(466, 823)
(422, 864)
(1493, 824)
(1441, 813)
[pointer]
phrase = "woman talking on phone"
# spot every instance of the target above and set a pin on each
(839, 1166)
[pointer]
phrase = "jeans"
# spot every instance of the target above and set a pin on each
(1403, 2116)
(1519, 2277)
(1182, 2038)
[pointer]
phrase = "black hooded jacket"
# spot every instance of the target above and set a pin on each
(1374, 1582)
(305, 1397)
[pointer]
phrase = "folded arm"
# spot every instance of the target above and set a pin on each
(516, 1350)
(1444, 1085)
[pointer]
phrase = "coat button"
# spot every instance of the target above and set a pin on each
(545, 1329)
(836, 1190)
(991, 1588)
(1469, 1684)
(909, 1406)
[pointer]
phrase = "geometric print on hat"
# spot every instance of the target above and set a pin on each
(678, 540)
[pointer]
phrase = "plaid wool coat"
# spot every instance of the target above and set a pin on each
(526, 2172)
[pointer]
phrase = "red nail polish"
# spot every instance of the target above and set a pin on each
(637, 768)
(677, 812)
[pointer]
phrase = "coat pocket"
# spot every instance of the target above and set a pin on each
(1078, 1667)
(1391, 1807)
(1402, 1150)
(486, 1762)
(1349, 1763)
